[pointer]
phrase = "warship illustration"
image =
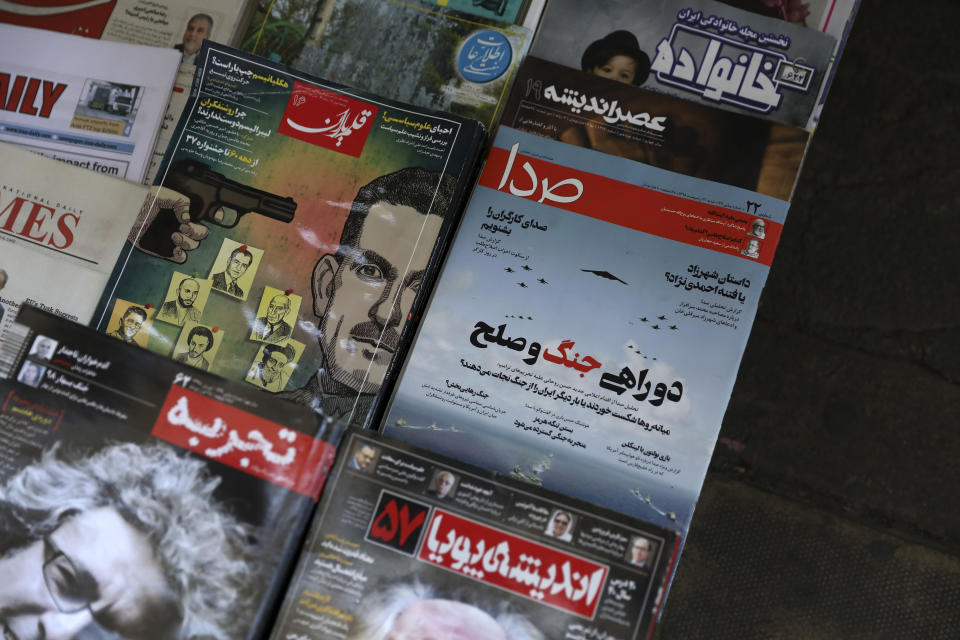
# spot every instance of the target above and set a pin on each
(536, 469)
(401, 422)
(669, 515)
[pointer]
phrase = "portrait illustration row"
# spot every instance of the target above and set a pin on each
(200, 339)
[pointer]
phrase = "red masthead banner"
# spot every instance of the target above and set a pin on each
(527, 568)
(668, 216)
(244, 441)
(327, 119)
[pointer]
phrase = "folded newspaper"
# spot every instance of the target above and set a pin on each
(97, 105)
(61, 230)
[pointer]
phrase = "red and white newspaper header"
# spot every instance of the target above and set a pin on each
(530, 569)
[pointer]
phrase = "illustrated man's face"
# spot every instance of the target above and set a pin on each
(443, 484)
(640, 550)
(198, 346)
(757, 228)
(273, 366)
(445, 620)
(196, 32)
(753, 246)
(277, 309)
(238, 265)
(95, 567)
(363, 297)
(561, 522)
(364, 456)
(188, 291)
(131, 325)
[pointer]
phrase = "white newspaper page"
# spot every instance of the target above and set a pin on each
(97, 105)
(61, 230)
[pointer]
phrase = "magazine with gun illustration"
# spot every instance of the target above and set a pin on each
(299, 223)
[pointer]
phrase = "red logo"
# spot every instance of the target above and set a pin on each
(244, 441)
(327, 119)
(397, 523)
(518, 565)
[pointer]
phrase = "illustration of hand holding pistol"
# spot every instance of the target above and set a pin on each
(169, 223)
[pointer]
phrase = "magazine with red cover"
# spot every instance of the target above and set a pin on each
(141, 497)
(303, 219)
(407, 542)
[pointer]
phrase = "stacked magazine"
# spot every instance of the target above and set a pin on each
(152, 499)
(535, 275)
(301, 222)
(586, 330)
(405, 538)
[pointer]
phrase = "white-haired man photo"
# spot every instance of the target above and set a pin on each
(411, 611)
(125, 542)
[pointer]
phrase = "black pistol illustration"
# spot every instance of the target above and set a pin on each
(209, 191)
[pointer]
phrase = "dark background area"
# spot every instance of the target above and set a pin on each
(830, 508)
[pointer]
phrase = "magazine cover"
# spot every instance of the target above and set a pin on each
(699, 50)
(435, 58)
(97, 105)
(140, 497)
(589, 111)
(300, 221)
(61, 230)
(410, 544)
(587, 327)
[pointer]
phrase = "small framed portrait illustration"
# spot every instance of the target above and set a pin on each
(186, 297)
(197, 345)
(131, 322)
(234, 269)
(752, 250)
(274, 364)
(758, 229)
(276, 316)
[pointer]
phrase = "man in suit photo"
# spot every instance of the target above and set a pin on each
(226, 280)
